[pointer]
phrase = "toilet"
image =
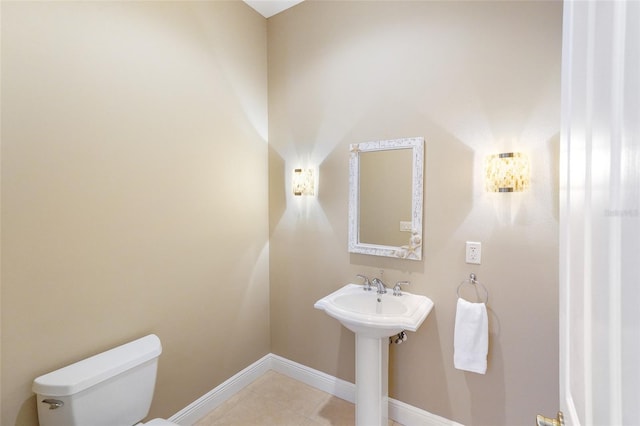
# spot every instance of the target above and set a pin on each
(113, 388)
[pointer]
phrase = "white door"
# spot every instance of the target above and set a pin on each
(600, 214)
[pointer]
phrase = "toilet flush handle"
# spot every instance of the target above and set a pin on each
(53, 403)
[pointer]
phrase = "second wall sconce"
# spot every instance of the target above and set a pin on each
(507, 172)
(303, 182)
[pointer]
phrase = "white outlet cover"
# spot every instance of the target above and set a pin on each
(473, 252)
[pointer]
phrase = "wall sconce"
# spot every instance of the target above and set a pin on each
(507, 172)
(303, 182)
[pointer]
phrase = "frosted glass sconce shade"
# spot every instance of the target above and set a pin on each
(507, 172)
(303, 182)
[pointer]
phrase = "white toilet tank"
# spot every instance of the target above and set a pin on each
(113, 388)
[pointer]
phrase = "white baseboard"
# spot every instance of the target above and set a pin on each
(398, 411)
(212, 399)
(409, 415)
(317, 379)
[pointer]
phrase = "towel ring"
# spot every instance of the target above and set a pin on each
(472, 280)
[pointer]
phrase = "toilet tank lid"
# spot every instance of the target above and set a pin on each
(83, 374)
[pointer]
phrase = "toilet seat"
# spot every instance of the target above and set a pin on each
(159, 422)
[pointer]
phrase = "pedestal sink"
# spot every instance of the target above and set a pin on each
(373, 318)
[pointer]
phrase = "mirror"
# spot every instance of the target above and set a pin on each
(385, 198)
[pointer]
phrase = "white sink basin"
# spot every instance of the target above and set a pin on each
(375, 315)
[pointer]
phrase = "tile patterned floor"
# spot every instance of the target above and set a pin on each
(277, 400)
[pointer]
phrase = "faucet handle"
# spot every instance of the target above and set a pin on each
(397, 290)
(367, 283)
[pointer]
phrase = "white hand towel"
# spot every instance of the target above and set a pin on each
(471, 337)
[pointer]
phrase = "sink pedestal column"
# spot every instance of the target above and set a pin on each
(372, 380)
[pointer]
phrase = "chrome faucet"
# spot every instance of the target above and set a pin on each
(367, 283)
(380, 285)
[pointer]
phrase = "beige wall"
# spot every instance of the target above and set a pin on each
(473, 78)
(134, 199)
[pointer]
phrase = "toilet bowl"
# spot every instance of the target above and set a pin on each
(113, 388)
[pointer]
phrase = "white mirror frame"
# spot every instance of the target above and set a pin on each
(413, 249)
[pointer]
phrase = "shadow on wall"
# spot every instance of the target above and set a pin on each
(449, 186)
(553, 149)
(433, 375)
(28, 413)
(277, 196)
(480, 399)
(345, 360)
(435, 381)
(334, 190)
